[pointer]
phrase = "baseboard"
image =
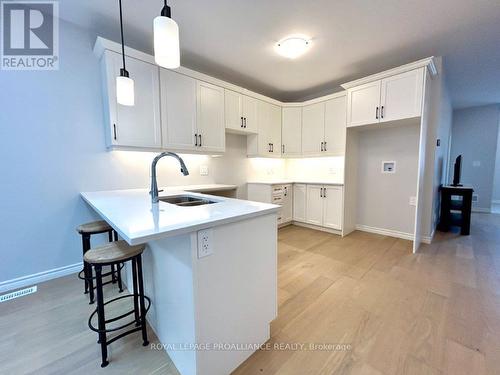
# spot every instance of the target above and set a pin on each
(481, 210)
(316, 227)
(385, 232)
(35, 278)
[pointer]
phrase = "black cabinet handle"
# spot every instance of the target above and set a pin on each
(324, 146)
(196, 139)
(245, 122)
(272, 147)
(241, 121)
(269, 147)
(114, 131)
(321, 192)
(376, 113)
(199, 135)
(382, 112)
(324, 192)
(282, 149)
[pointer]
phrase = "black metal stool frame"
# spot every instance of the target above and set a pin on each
(140, 308)
(87, 269)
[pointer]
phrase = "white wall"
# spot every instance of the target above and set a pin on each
(383, 199)
(496, 178)
(439, 122)
(474, 136)
(327, 169)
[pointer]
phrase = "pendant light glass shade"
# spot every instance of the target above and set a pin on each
(125, 91)
(166, 42)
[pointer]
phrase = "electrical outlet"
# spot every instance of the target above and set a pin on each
(333, 170)
(203, 170)
(205, 243)
(413, 201)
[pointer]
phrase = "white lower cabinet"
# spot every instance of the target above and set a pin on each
(287, 205)
(299, 202)
(324, 206)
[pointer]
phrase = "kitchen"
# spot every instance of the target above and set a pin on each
(267, 182)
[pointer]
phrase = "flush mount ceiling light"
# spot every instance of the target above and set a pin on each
(166, 39)
(293, 46)
(124, 84)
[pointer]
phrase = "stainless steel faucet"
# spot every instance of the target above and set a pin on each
(154, 185)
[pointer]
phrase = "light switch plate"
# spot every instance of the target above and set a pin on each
(205, 248)
(203, 170)
(476, 163)
(413, 201)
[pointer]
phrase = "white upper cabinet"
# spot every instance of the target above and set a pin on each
(249, 113)
(210, 118)
(363, 104)
(268, 140)
(178, 110)
(241, 112)
(392, 98)
(233, 110)
(313, 128)
(291, 131)
(332, 207)
(401, 96)
(138, 125)
(335, 126)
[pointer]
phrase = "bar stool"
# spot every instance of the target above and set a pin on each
(110, 254)
(86, 231)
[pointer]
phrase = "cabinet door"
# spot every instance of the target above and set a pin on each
(233, 110)
(291, 131)
(332, 207)
(299, 202)
(314, 205)
(313, 128)
(138, 125)
(335, 126)
(287, 207)
(249, 114)
(210, 117)
(178, 110)
(402, 96)
(363, 104)
(275, 129)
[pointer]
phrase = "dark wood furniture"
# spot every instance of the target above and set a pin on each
(456, 206)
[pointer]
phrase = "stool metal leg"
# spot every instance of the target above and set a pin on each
(136, 292)
(120, 285)
(85, 269)
(89, 275)
(145, 341)
(100, 316)
(113, 271)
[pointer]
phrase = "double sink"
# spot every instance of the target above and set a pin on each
(186, 200)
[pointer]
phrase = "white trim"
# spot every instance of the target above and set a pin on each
(102, 44)
(427, 62)
(385, 232)
(39, 277)
(481, 210)
(495, 201)
(316, 227)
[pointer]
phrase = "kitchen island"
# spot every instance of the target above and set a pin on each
(209, 269)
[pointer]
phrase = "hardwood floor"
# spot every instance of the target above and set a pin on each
(390, 312)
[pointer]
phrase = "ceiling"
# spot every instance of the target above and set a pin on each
(233, 40)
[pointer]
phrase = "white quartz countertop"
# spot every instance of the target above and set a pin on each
(137, 220)
(283, 182)
(201, 188)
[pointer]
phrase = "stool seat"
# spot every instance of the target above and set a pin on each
(112, 252)
(94, 227)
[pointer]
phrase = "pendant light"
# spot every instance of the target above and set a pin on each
(166, 39)
(124, 84)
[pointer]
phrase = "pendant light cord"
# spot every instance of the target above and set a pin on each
(121, 31)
